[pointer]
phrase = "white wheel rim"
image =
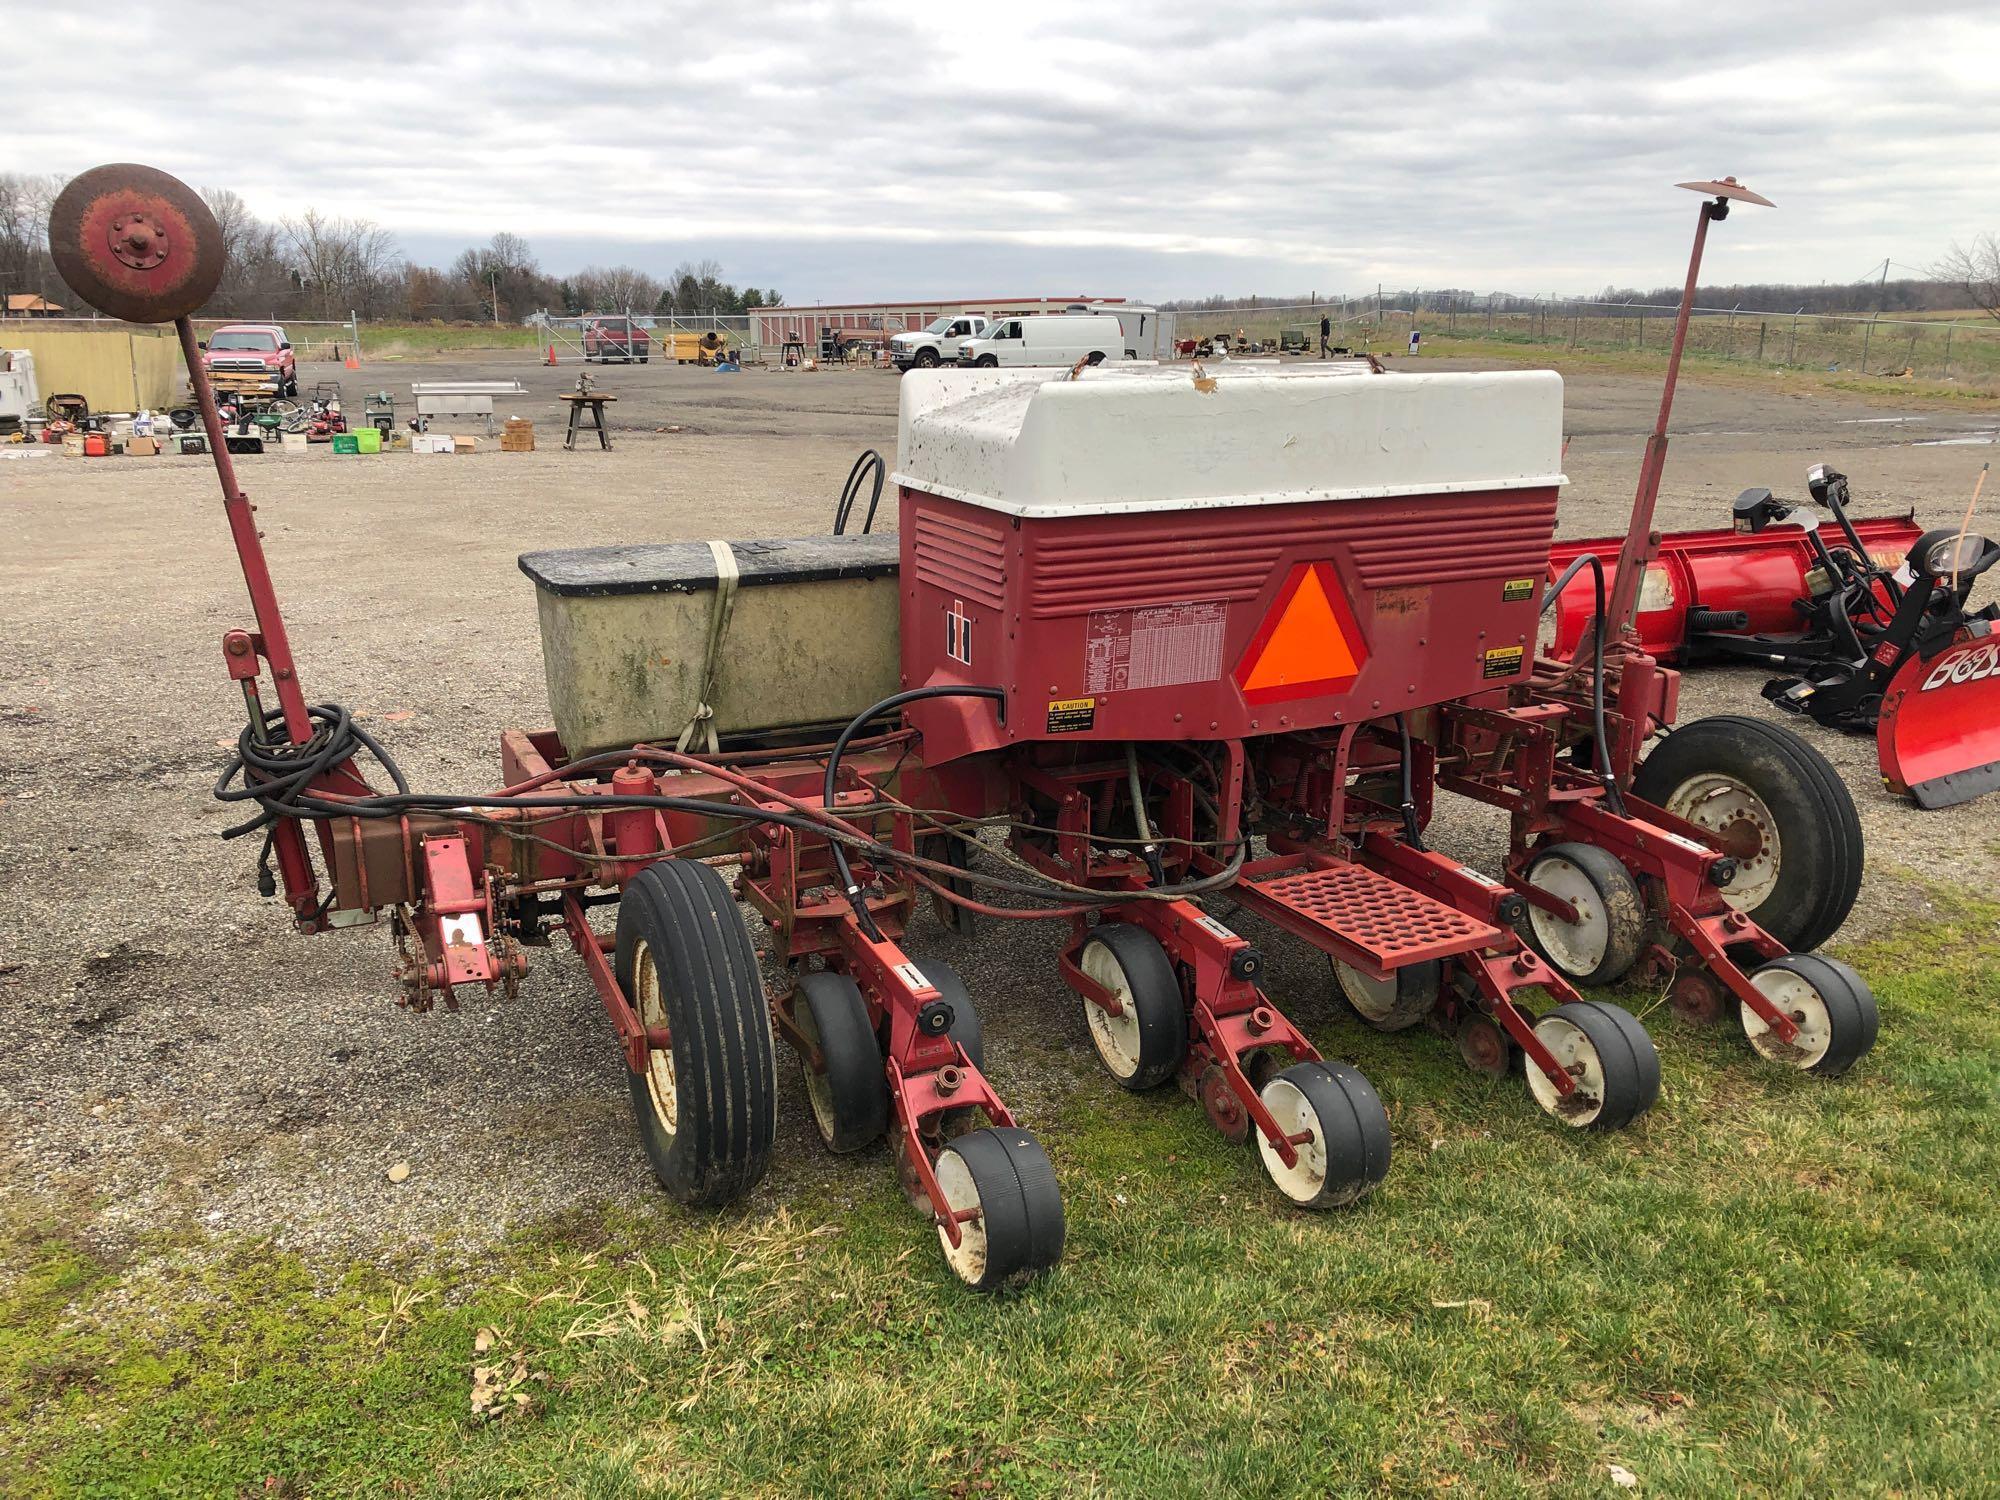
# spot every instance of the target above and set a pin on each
(1305, 1180)
(1737, 816)
(1797, 997)
(1115, 1037)
(659, 1060)
(819, 1093)
(1577, 1055)
(1374, 998)
(968, 1258)
(1577, 947)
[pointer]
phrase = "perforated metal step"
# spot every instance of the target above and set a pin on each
(1390, 924)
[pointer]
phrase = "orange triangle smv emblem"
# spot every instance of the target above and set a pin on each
(1303, 645)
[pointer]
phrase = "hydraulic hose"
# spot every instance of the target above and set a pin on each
(848, 887)
(869, 461)
(1148, 849)
(1411, 831)
(1600, 745)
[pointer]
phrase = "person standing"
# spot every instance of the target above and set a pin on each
(1325, 335)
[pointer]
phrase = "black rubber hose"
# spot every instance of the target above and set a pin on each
(1410, 830)
(895, 700)
(869, 461)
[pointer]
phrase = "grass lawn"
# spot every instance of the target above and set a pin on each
(1771, 1285)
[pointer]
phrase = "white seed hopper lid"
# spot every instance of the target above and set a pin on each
(1146, 437)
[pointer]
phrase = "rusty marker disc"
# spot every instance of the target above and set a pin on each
(1727, 187)
(135, 243)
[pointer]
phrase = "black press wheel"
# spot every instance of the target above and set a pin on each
(1347, 1151)
(1397, 1003)
(1143, 1047)
(1832, 1005)
(949, 849)
(1774, 803)
(1610, 927)
(1003, 1175)
(1610, 1057)
(708, 1105)
(849, 1095)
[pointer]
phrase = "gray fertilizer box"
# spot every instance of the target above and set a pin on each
(811, 636)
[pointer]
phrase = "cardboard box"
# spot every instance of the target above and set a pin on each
(432, 442)
(140, 445)
(465, 444)
(518, 436)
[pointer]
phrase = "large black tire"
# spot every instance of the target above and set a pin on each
(1349, 1152)
(708, 1106)
(1803, 901)
(1604, 943)
(850, 1096)
(988, 362)
(1623, 1077)
(1396, 1004)
(966, 1028)
(1006, 1175)
(926, 358)
(1142, 1048)
(1096, 357)
(1841, 1016)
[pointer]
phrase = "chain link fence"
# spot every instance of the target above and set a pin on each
(1943, 349)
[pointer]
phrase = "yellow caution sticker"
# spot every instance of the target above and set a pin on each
(1516, 589)
(1070, 715)
(1504, 661)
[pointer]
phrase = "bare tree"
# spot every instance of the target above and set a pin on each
(1975, 270)
(616, 289)
(340, 263)
(254, 280)
(25, 199)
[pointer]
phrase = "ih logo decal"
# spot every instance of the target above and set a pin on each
(958, 633)
(1308, 643)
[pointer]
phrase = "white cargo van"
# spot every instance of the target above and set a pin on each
(1050, 339)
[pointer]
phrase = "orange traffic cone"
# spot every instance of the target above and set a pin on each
(550, 361)
(353, 359)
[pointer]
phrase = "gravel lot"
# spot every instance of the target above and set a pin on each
(178, 1054)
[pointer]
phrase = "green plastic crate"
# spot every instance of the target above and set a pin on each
(346, 442)
(370, 439)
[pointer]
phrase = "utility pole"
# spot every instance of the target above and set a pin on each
(494, 277)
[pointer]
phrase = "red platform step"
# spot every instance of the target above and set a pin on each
(1361, 917)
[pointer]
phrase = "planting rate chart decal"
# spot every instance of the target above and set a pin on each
(1162, 645)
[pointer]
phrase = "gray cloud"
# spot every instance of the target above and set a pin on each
(876, 150)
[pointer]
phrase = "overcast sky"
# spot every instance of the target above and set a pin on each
(938, 149)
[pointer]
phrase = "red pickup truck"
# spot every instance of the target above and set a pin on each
(253, 355)
(606, 339)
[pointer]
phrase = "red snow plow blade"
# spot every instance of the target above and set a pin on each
(1939, 732)
(1721, 571)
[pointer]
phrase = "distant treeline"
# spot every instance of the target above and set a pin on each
(319, 266)
(1845, 297)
